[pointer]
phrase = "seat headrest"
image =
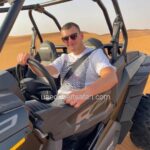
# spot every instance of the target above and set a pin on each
(92, 42)
(47, 52)
(95, 43)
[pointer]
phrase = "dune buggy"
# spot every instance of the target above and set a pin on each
(31, 120)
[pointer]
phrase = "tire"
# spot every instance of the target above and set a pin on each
(140, 131)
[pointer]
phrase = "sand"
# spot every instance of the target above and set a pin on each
(138, 40)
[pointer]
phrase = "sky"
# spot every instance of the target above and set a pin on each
(86, 13)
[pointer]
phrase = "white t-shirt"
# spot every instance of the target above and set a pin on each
(85, 74)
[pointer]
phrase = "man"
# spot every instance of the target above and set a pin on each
(94, 76)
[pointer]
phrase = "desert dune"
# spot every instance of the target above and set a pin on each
(138, 40)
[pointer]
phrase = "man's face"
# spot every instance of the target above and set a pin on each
(72, 38)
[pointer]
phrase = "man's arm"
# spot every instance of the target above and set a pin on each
(51, 70)
(108, 78)
(22, 60)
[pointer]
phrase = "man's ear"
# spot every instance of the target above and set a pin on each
(82, 35)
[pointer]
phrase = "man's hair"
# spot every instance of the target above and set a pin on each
(70, 25)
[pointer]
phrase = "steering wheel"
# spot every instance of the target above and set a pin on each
(32, 88)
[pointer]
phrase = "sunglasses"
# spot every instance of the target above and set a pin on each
(72, 37)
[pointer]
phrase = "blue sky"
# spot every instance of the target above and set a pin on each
(87, 14)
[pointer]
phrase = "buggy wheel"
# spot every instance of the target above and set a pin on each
(140, 131)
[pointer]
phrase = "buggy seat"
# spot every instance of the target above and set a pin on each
(46, 53)
(61, 120)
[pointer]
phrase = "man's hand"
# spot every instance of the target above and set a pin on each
(22, 58)
(76, 98)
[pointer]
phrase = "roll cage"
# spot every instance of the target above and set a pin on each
(114, 29)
